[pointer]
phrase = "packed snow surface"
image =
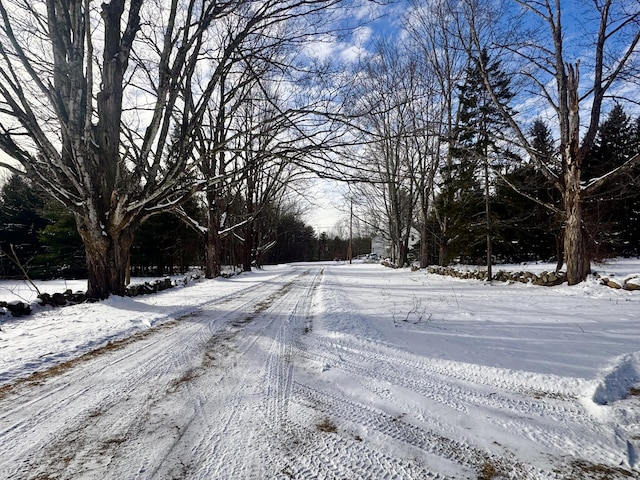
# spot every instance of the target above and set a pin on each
(326, 371)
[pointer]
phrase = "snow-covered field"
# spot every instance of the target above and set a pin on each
(327, 371)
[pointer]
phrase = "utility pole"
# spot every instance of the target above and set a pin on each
(350, 250)
(487, 205)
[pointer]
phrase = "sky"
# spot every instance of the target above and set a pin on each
(385, 20)
(326, 206)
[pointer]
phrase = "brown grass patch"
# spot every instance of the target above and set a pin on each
(487, 471)
(598, 472)
(327, 426)
(40, 376)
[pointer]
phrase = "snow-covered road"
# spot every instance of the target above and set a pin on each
(326, 372)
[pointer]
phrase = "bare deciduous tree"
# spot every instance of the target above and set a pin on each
(399, 151)
(433, 27)
(91, 97)
(552, 68)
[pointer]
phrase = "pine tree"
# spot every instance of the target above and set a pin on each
(479, 122)
(529, 230)
(20, 222)
(611, 213)
(40, 232)
(63, 254)
(296, 241)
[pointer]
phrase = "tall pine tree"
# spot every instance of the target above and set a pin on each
(475, 151)
(529, 227)
(612, 213)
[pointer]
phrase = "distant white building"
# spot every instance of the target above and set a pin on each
(380, 246)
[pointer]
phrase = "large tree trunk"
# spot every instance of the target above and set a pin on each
(247, 247)
(424, 234)
(212, 267)
(575, 254)
(442, 253)
(396, 242)
(487, 210)
(107, 258)
(559, 251)
(106, 235)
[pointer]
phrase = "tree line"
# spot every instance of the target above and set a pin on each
(40, 238)
(477, 125)
(490, 129)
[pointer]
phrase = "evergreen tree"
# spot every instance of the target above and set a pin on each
(164, 244)
(158, 247)
(296, 242)
(612, 212)
(63, 254)
(43, 234)
(20, 222)
(527, 229)
(468, 188)
(323, 247)
(460, 201)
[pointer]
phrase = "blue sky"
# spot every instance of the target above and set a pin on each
(578, 18)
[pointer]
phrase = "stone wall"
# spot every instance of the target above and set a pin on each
(545, 279)
(632, 282)
(18, 308)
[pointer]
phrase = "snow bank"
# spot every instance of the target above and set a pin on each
(618, 380)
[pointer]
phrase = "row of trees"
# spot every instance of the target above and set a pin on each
(39, 238)
(127, 109)
(480, 133)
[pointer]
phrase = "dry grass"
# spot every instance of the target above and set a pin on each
(39, 377)
(488, 471)
(327, 426)
(593, 471)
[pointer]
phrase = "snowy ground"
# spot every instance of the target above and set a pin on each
(327, 371)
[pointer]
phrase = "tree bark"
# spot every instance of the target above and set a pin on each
(575, 254)
(559, 251)
(424, 234)
(212, 268)
(487, 211)
(577, 260)
(247, 247)
(107, 258)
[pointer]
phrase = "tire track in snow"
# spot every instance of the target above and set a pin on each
(281, 446)
(311, 453)
(233, 446)
(78, 398)
(264, 426)
(71, 421)
(553, 421)
(229, 395)
(559, 425)
(427, 441)
(321, 449)
(280, 364)
(458, 392)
